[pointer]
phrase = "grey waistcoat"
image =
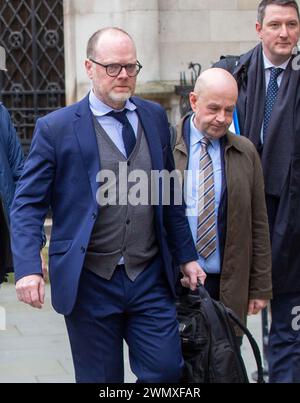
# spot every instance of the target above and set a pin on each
(123, 229)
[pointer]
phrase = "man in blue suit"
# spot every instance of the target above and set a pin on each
(112, 265)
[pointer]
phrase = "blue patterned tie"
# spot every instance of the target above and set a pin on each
(271, 96)
(127, 131)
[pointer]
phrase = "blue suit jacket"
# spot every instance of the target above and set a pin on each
(60, 172)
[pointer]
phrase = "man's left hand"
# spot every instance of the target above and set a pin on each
(256, 305)
(192, 273)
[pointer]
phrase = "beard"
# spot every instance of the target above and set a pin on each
(120, 97)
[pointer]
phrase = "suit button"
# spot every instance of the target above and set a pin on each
(124, 249)
(128, 163)
(94, 215)
(82, 249)
(127, 222)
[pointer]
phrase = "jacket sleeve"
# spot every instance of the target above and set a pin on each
(260, 286)
(13, 147)
(31, 203)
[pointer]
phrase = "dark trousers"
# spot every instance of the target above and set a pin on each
(284, 339)
(141, 312)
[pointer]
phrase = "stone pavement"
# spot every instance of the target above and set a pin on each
(34, 348)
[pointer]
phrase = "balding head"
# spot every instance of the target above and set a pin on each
(213, 101)
(216, 80)
(102, 36)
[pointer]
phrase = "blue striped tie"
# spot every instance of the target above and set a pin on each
(206, 230)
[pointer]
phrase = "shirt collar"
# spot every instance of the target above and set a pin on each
(99, 108)
(196, 135)
(268, 64)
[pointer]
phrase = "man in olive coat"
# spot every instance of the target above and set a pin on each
(238, 267)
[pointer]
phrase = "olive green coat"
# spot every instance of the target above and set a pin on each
(246, 268)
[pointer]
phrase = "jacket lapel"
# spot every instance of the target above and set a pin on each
(85, 132)
(181, 149)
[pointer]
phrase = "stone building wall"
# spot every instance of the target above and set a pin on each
(169, 34)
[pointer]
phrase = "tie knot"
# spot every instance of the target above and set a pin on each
(205, 142)
(120, 116)
(275, 72)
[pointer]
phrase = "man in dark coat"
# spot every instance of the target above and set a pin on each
(268, 110)
(11, 165)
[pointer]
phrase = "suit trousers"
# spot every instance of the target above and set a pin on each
(141, 312)
(284, 339)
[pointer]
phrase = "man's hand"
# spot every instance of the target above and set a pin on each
(192, 273)
(256, 305)
(31, 290)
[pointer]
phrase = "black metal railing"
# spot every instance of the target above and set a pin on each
(185, 87)
(34, 84)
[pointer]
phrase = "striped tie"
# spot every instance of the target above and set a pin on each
(206, 230)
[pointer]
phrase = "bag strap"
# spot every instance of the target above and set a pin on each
(209, 311)
(207, 300)
(252, 341)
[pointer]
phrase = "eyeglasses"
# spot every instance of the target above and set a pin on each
(114, 69)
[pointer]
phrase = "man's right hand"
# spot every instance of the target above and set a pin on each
(31, 290)
(192, 273)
